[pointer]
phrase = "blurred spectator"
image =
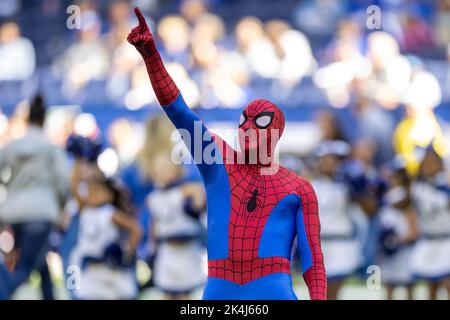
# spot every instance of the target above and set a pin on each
(85, 60)
(367, 189)
(17, 56)
(139, 94)
(192, 10)
(229, 69)
(209, 27)
(329, 126)
(119, 19)
(138, 178)
(431, 194)
(60, 124)
(123, 58)
(310, 16)
(123, 136)
(274, 28)
(207, 35)
(294, 44)
(226, 83)
(341, 251)
(443, 23)
(346, 66)
(375, 124)
(256, 47)
(292, 70)
(108, 237)
(399, 231)
(418, 35)
(222, 54)
(174, 33)
(420, 127)
(391, 71)
(176, 207)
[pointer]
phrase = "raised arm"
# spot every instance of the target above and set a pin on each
(142, 39)
(169, 96)
(308, 238)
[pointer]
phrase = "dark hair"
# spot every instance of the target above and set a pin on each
(37, 112)
(121, 198)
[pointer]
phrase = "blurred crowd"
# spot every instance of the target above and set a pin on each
(377, 150)
(127, 226)
(293, 59)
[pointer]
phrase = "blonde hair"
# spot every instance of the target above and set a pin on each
(158, 134)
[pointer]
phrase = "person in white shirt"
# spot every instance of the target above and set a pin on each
(17, 54)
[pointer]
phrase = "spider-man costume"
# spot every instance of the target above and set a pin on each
(255, 211)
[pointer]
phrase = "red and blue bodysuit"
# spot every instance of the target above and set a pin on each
(255, 211)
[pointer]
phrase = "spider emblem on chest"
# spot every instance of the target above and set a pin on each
(253, 202)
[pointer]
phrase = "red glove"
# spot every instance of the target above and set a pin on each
(142, 39)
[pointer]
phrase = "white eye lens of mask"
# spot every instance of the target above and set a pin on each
(242, 120)
(263, 121)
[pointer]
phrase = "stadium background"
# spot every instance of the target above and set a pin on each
(316, 59)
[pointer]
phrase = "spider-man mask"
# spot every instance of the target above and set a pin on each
(260, 128)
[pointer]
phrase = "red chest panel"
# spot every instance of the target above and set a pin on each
(253, 197)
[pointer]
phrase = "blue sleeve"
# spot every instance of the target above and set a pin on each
(195, 135)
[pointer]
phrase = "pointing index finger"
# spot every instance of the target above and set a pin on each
(140, 17)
